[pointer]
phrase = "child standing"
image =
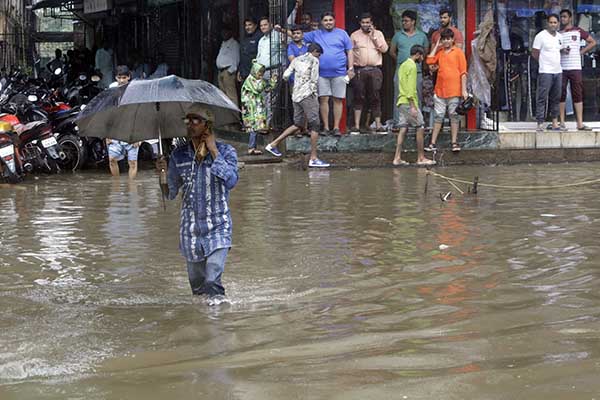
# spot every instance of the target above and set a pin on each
(254, 111)
(408, 104)
(450, 86)
(306, 104)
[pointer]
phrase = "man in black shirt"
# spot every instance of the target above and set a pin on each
(248, 48)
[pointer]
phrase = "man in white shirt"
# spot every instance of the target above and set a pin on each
(547, 47)
(271, 53)
(571, 65)
(228, 60)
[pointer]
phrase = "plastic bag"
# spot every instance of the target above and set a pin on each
(480, 87)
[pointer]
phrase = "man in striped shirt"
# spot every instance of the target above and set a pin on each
(570, 61)
(205, 171)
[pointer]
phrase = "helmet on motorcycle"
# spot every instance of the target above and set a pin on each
(5, 127)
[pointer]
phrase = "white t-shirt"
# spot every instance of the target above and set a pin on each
(549, 47)
(572, 39)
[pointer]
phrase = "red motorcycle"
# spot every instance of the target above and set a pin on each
(37, 145)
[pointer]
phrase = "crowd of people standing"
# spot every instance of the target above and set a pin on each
(318, 81)
(356, 60)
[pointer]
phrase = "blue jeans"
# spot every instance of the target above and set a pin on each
(549, 87)
(205, 275)
(252, 142)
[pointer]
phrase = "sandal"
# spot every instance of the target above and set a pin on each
(401, 163)
(254, 152)
(425, 163)
(455, 147)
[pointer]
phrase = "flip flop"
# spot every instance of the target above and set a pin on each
(426, 163)
(254, 152)
(401, 164)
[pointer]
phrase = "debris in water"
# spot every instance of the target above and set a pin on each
(445, 197)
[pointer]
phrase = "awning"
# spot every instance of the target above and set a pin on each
(51, 4)
(56, 37)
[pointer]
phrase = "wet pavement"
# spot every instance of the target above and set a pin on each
(344, 284)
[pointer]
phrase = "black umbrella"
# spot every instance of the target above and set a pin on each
(151, 109)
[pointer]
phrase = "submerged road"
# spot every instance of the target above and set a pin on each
(344, 284)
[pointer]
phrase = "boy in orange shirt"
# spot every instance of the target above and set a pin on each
(451, 84)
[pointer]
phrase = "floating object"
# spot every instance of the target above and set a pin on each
(443, 246)
(446, 197)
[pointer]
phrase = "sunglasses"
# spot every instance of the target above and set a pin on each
(193, 120)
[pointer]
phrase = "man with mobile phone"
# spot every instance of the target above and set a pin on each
(368, 46)
(570, 61)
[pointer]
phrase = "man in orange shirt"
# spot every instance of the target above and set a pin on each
(368, 46)
(450, 86)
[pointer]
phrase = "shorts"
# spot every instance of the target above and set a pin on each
(441, 105)
(575, 78)
(118, 149)
(408, 120)
(335, 87)
(309, 108)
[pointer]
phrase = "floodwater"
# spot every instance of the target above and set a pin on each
(344, 284)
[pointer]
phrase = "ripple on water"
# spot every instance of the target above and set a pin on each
(342, 283)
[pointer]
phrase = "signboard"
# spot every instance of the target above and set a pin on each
(94, 6)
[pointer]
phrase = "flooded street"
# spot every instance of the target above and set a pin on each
(344, 284)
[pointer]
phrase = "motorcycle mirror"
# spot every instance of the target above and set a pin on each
(32, 98)
(95, 78)
(57, 71)
(82, 77)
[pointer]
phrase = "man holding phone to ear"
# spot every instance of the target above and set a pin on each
(368, 46)
(204, 171)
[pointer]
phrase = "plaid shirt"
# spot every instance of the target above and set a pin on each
(205, 218)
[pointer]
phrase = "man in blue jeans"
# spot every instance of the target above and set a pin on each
(547, 47)
(205, 170)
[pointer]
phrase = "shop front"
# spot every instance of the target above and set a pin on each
(515, 90)
(387, 18)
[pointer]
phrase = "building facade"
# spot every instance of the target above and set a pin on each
(15, 36)
(186, 33)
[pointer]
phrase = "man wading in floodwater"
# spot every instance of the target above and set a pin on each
(205, 170)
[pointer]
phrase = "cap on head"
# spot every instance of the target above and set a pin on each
(200, 110)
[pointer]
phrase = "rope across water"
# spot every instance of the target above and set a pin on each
(540, 187)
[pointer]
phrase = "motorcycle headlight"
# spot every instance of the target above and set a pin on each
(76, 128)
(32, 98)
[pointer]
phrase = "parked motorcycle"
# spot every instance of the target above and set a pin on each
(11, 169)
(37, 145)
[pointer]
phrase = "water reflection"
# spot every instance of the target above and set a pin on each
(344, 284)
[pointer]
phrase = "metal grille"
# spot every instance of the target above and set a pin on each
(280, 102)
